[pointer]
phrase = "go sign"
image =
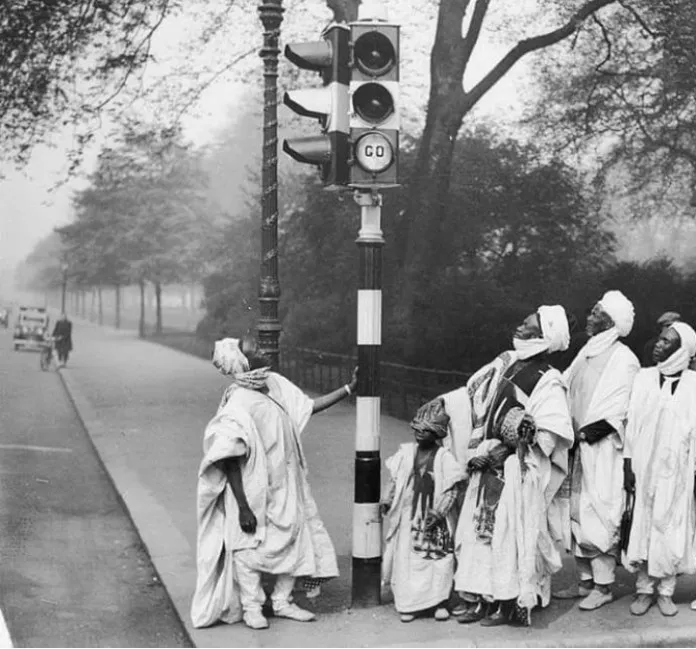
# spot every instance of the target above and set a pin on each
(374, 152)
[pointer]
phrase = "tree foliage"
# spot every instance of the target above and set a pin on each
(636, 101)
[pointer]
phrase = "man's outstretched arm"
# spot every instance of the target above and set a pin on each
(328, 400)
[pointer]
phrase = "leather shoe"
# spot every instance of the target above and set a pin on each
(667, 606)
(572, 592)
(640, 604)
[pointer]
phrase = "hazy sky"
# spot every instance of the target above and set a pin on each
(30, 207)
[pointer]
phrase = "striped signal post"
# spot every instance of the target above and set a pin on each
(367, 524)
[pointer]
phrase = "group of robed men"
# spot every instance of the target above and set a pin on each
(503, 474)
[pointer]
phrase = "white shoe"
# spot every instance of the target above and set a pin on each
(294, 612)
(255, 620)
(442, 614)
(595, 600)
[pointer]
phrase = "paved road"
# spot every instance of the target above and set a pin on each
(73, 570)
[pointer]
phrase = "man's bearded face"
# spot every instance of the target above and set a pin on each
(668, 343)
(530, 328)
(598, 321)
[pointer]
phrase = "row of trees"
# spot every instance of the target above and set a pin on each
(142, 218)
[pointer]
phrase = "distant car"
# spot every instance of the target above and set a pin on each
(31, 328)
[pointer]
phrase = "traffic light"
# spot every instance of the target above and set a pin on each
(374, 104)
(329, 151)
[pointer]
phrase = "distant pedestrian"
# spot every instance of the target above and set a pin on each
(256, 512)
(659, 464)
(419, 518)
(663, 322)
(599, 380)
(62, 333)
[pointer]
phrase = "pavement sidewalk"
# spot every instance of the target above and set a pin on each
(145, 407)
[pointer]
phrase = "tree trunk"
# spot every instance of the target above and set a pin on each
(117, 321)
(344, 11)
(428, 197)
(141, 323)
(158, 308)
(93, 305)
(100, 306)
(83, 307)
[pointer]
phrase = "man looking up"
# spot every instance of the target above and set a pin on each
(659, 464)
(256, 512)
(519, 428)
(599, 380)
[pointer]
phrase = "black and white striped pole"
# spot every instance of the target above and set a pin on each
(367, 524)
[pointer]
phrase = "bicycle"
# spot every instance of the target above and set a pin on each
(47, 356)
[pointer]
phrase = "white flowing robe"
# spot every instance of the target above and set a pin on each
(600, 388)
(416, 582)
(661, 443)
(290, 537)
(519, 561)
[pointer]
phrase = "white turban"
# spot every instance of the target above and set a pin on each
(687, 335)
(554, 327)
(228, 357)
(620, 309)
(681, 358)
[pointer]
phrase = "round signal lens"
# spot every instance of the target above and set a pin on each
(373, 102)
(374, 53)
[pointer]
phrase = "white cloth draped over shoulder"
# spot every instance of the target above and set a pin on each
(290, 537)
(417, 582)
(600, 385)
(468, 407)
(661, 443)
(521, 557)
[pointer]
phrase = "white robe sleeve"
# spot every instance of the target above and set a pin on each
(298, 405)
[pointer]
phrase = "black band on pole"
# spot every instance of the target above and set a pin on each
(370, 265)
(369, 375)
(367, 479)
(367, 580)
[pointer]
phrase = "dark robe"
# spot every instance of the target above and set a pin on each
(63, 330)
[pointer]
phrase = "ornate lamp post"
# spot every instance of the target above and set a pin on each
(64, 269)
(271, 14)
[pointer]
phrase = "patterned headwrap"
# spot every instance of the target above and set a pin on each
(432, 418)
(229, 359)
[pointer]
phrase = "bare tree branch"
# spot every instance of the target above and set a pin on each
(526, 46)
(474, 30)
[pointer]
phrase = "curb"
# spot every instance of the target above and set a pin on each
(168, 550)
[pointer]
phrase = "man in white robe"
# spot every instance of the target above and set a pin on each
(659, 465)
(518, 433)
(599, 381)
(256, 513)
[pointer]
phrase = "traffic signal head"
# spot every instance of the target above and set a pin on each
(374, 104)
(329, 104)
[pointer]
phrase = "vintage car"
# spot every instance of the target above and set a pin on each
(31, 328)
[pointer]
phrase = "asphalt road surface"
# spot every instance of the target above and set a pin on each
(73, 571)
